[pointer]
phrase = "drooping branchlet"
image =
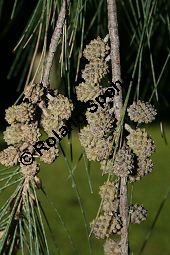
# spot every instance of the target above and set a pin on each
(24, 131)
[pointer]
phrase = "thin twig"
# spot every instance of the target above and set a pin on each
(54, 42)
(115, 56)
(124, 215)
(118, 103)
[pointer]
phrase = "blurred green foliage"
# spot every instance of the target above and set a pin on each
(68, 235)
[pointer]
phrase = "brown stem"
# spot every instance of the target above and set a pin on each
(115, 56)
(124, 215)
(118, 103)
(54, 42)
